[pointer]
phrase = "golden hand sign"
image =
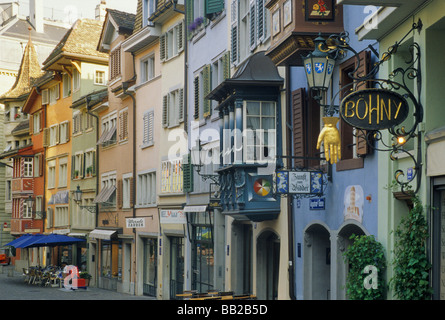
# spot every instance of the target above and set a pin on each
(331, 139)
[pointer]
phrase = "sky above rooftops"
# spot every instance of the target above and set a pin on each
(71, 10)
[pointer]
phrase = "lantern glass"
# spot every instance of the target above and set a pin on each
(319, 71)
(78, 195)
(29, 201)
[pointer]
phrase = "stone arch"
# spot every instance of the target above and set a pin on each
(317, 261)
(345, 231)
(268, 262)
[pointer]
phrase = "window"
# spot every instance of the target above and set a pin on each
(198, 13)
(77, 166)
(260, 133)
(146, 189)
(28, 167)
(64, 128)
(148, 125)
(127, 186)
(148, 68)
(90, 163)
(66, 79)
(27, 211)
(76, 79)
(171, 176)
(173, 108)
(61, 217)
(353, 143)
(148, 8)
(36, 122)
(52, 174)
(115, 63)
(54, 94)
(220, 71)
(109, 127)
(202, 85)
(99, 77)
(123, 124)
(107, 194)
(45, 97)
(249, 21)
(172, 42)
(63, 172)
(77, 122)
(54, 135)
(38, 165)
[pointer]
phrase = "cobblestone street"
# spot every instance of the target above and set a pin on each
(12, 287)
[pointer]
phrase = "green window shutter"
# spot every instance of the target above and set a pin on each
(189, 17)
(73, 165)
(226, 65)
(206, 89)
(181, 105)
(234, 31)
(93, 155)
(252, 27)
(214, 6)
(187, 173)
(196, 87)
(164, 111)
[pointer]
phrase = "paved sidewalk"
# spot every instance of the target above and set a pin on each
(14, 288)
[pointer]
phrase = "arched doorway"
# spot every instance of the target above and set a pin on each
(268, 262)
(345, 232)
(317, 263)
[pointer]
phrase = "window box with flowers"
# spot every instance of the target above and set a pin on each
(197, 25)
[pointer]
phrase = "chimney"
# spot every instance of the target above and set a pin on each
(101, 10)
(36, 14)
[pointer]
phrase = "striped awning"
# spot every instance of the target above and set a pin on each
(104, 194)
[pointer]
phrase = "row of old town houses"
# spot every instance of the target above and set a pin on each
(181, 143)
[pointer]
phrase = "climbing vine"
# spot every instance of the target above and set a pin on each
(411, 265)
(366, 259)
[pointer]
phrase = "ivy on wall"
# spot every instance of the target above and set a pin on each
(366, 260)
(411, 265)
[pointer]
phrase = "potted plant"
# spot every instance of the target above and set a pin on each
(85, 275)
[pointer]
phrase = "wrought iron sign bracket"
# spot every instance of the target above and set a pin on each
(365, 115)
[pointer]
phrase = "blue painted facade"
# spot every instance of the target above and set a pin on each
(322, 235)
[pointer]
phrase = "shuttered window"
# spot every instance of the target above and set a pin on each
(306, 127)
(115, 63)
(353, 144)
(148, 125)
(187, 173)
(123, 125)
(249, 20)
(172, 42)
(213, 7)
(173, 108)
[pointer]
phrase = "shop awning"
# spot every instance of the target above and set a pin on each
(18, 240)
(102, 234)
(195, 208)
(53, 240)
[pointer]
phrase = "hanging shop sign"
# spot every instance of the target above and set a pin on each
(374, 109)
(299, 182)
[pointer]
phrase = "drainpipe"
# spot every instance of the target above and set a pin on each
(43, 159)
(97, 154)
(131, 95)
(289, 199)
